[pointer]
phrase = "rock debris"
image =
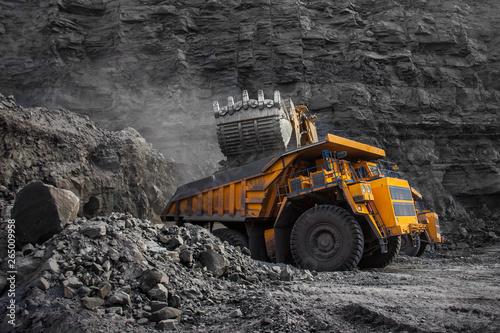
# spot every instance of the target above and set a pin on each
(118, 267)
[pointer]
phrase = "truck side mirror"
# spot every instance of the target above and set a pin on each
(340, 154)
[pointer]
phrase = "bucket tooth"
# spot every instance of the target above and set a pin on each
(216, 109)
(230, 104)
(277, 99)
(245, 99)
(260, 99)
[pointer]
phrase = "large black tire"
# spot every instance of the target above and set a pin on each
(327, 238)
(233, 237)
(423, 246)
(377, 259)
(407, 245)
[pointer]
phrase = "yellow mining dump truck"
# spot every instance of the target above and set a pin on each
(324, 206)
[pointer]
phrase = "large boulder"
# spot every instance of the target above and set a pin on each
(151, 278)
(41, 210)
(214, 262)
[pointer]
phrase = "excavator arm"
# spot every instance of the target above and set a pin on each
(303, 124)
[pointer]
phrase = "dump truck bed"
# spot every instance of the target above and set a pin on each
(221, 178)
(248, 192)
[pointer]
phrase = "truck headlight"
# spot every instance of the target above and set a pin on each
(368, 189)
(363, 188)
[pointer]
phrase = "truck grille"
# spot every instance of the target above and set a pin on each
(403, 209)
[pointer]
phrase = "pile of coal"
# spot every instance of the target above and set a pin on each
(131, 273)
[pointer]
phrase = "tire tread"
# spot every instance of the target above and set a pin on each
(232, 236)
(356, 250)
(381, 260)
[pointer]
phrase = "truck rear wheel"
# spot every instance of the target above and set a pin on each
(377, 259)
(327, 238)
(233, 237)
(407, 245)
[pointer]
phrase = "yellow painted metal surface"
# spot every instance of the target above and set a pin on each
(298, 183)
(416, 194)
(433, 227)
(400, 221)
(303, 123)
(358, 194)
(354, 148)
(252, 197)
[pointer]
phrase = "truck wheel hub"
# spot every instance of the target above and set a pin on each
(324, 242)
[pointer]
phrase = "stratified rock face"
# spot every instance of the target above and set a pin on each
(418, 78)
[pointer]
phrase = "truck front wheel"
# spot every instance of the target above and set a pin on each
(377, 259)
(327, 238)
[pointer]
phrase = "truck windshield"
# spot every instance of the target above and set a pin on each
(374, 169)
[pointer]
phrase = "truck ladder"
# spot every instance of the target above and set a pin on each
(381, 226)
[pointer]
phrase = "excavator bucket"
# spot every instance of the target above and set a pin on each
(261, 126)
(253, 126)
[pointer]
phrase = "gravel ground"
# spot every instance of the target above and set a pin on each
(447, 292)
(120, 273)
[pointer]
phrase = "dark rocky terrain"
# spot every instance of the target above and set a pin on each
(108, 171)
(121, 274)
(99, 79)
(125, 270)
(417, 78)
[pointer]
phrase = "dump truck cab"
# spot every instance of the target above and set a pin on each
(324, 206)
(367, 170)
(379, 199)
